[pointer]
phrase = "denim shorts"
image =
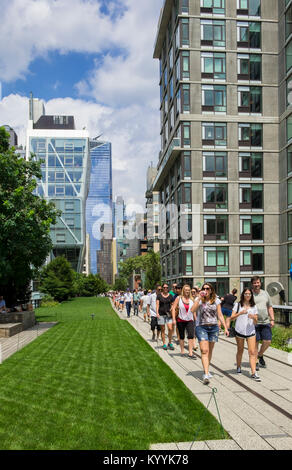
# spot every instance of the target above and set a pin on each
(263, 332)
(226, 312)
(164, 320)
(207, 333)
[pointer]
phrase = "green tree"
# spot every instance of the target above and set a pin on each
(25, 221)
(121, 284)
(57, 279)
(149, 263)
(153, 270)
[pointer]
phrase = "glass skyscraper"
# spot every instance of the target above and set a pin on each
(64, 152)
(99, 201)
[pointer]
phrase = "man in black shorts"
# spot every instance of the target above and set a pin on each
(151, 310)
(266, 319)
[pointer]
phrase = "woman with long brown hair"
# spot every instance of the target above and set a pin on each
(207, 312)
(184, 318)
(245, 314)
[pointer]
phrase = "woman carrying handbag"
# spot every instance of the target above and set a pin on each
(184, 318)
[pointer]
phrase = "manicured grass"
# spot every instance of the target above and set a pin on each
(94, 384)
(280, 337)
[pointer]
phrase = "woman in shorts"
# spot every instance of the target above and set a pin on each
(245, 313)
(207, 312)
(184, 319)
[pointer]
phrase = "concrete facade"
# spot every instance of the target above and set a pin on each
(223, 89)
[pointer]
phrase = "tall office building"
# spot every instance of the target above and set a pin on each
(99, 201)
(223, 141)
(64, 151)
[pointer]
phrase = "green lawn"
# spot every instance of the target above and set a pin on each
(94, 384)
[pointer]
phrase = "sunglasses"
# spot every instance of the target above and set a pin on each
(207, 288)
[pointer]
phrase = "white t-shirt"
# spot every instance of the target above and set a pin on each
(128, 297)
(152, 303)
(146, 301)
(244, 325)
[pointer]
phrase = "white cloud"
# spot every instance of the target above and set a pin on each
(120, 96)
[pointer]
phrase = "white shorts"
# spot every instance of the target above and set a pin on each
(164, 320)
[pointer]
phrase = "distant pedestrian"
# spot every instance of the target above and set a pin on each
(151, 310)
(144, 301)
(2, 305)
(207, 311)
(129, 302)
(245, 313)
(164, 317)
(122, 301)
(266, 319)
(227, 303)
(183, 317)
(136, 301)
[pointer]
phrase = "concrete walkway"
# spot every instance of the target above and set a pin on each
(9, 346)
(256, 415)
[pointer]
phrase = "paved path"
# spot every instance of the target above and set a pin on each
(9, 346)
(256, 415)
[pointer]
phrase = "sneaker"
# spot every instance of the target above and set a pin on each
(238, 370)
(262, 362)
(210, 376)
(164, 347)
(257, 367)
(206, 380)
(170, 346)
(256, 378)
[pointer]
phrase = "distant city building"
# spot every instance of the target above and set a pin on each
(99, 204)
(152, 211)
(105, 255)
(65, 177)
(13, 140)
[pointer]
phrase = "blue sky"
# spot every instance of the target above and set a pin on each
(93, 59)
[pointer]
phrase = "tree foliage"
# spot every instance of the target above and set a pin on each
(57, 279)
(149, 263)
(25, 221)
(89, 286)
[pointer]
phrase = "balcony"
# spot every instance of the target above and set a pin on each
(169, 157)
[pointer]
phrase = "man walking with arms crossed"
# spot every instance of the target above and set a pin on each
(266, 319)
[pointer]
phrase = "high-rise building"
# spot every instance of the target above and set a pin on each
(152, 211)
(13, 140)
(64, 152)
(225, 130)
(99, 201)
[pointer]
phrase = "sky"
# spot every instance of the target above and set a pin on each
(92, 59)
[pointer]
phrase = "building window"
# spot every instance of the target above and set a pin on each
(188, 262)
(185, 39)
(216, 227)
(289, 56)
(213, 33)
(186, 134)
(251, 196)
(217, 7)
(214, 98)
(216, 259)
(250, 135)
(214, 134)
(252, 259)
(249, 67)
(185, 65)
(289, 128)
(250, 165)
(288, 18)
(289, 192)
(185, 98)
(215, 196)
(185, 6)
(289, 159)
(289, 90)
(290, 226)
(250, 99)
(249, 35)
(249, 7)
(187, 169)
(252, 227)
(215, 164)
(213, 65)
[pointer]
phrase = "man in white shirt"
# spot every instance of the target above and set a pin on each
(151, 310)
(128, 302)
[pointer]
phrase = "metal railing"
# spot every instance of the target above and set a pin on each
(283, 314)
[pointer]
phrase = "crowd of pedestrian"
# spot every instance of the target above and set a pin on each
(199, 313)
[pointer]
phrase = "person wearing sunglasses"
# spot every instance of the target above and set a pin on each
(207, 312)
(163, 310)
